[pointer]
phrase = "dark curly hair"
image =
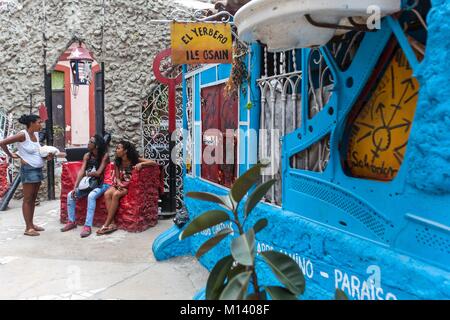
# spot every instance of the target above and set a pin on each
(27, 119)
(131, 151)
(101, 147)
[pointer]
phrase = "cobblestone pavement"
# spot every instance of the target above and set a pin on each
(62, 266)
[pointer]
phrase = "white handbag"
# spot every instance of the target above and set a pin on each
(88, 182)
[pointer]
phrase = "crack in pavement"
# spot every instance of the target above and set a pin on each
(123, 280)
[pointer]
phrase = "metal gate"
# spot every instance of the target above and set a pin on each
(6, 129)
(156, 139)
(281, 102)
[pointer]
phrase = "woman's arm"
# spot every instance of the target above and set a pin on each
(117, 175)
(100, 169)
(20, 137)
(143, 163)
(82, 170)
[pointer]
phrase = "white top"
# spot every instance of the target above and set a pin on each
(29, 151)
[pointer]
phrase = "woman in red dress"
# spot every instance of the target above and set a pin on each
(127, 159)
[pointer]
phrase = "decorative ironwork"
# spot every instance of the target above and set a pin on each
(321, 82)
(7, 128)
(280, 110)
(190, 128)
(204, 15)
(343, 48)
(155, 134)
(201, 15)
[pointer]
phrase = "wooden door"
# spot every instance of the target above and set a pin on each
(210, 120)
(219, 112)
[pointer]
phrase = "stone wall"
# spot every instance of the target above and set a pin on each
(118, 32)
(34, 35)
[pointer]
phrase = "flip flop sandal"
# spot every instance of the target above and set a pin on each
(37, 228)
(31, 233)
(101, 231)
(110, 229)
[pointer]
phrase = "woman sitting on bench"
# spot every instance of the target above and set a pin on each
(89, 184)
(127, 159)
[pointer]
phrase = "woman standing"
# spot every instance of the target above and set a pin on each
(31, 166)
(94, 165)
(127, 159)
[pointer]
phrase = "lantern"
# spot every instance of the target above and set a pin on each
(81, 65)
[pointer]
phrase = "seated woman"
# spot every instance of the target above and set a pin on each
(127, 158)
(94, 164)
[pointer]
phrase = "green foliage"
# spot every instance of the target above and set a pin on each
(235, 275)
(58, 131)
(243, 248)
(211, 243)
(206, 220)
(287, 273)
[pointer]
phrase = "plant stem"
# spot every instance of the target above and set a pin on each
(252, 269)
(255, 281)
(236, 217)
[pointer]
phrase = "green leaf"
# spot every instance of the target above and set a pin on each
(204, 221)
(340, 295)
(246, 181)
(286, 270)
(216, 279)
(257, 195)
(280, 293)
(204, 196)
(260, 224)
(236, 289)
(235, 271)
(243, 248)
(211, 243)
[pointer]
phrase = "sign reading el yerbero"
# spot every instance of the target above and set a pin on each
(196, 43)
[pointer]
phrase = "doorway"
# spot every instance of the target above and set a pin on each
(76, 110)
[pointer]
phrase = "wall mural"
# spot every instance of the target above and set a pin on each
(379, 134)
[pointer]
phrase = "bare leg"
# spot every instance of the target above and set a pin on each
(28, 205)
(108, 198)
(35, 195)
(114, 205)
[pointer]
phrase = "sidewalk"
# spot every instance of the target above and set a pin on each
(59, 265)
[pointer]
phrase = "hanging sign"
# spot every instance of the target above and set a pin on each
(198, 43)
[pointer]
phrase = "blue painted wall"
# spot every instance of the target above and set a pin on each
(328, 257)
(396, 244)
(429, 149)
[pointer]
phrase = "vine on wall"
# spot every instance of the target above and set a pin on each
(239, 72)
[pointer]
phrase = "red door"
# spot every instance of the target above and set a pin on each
(219, 112)
(229, 120)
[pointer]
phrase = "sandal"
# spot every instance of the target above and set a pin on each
(31, 233)
(37, 228)
(106, 230)
(101, 231)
